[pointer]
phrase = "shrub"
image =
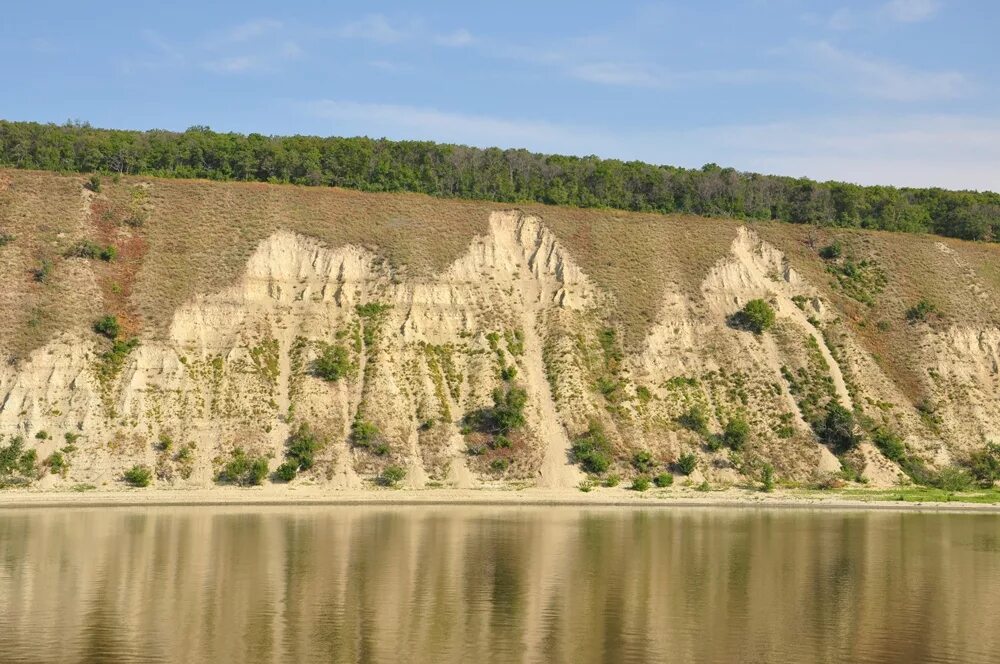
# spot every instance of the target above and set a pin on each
(108, 327)
(586, 486)
(640, 483)
(592, 449)
(71, 437)
(43, 271)
(832, 251)
(767, 478)
(839, 429)
(87, 249)
(642, 461)
(333, 364)
(508, 408)
(508, 373)
(286, 471)
(663, 480)
(757, 316)
(94, 183)
(950, 478)
(363, 432)
(920, 311)
(687, 463)
(5, 239)
(736, 434)
(499, 464)
(501, 442)
(243, 469)
(890, 444)
(164, 443)
(57, 463)
(138, 476)
(695, 419)
(984, 464)
(391, 476)
(612, 480)
(42, 435)
(302, 447)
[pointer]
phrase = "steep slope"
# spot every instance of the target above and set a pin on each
(618, 326)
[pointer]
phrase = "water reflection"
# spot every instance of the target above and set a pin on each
(421, 584)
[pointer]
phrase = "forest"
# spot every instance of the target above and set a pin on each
(502, 175)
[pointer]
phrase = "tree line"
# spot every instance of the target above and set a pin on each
(511, 176)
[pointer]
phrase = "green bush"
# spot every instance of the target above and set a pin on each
(642, 461)
(663, 480)
(612, 480)
(736, 434)
(920, 311)
(42, 435)
(5, 239)
(243, 469)
(687, 463)
(839, 429)
(592, 450)
(391, 476)
(950, 478)
(87, 249)
(984, 464)
(108, 327)
(695, 419)
(499, 464)
(640, 483)
(757, 316)
(508, 373)
(286, 471)
(302, 447)
(832, 251)
(138, 476)
(71, 437)
(508, 408)
(43, 271)
(17, 465)
(333, 364)
(890, 444)
(94, 183)
(767, 478)
(57, 463)
(363, 432)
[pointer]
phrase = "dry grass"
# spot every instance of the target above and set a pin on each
(199, 235)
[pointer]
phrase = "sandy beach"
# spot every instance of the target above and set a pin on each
(617, 497)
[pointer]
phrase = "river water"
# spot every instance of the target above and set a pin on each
(497, 584)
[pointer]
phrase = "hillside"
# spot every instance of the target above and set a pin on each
(193, 327)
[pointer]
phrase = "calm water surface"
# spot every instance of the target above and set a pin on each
(464, 584)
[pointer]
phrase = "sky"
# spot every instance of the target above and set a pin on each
(902, 92)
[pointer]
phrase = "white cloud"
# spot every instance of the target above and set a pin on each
(234, 65)
(455, 39)
(250, 30)
(953, 151)
(376, 28)
(380, 29)
(611, 73)
(911, 11)
(880, 79)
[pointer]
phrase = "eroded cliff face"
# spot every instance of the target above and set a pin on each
(422, 357)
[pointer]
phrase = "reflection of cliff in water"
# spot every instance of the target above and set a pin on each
(478, 584)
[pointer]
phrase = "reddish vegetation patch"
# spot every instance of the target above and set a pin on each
(117, 278)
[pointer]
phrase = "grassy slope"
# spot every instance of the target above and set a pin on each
(199, 234)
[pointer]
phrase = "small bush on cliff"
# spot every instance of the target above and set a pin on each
(108, 327)
(984, 464)
(363, 432)
(392, 476)
(736, 434)
(921, 311)
(640, 483)
(138, 476)
(663, 480)
(839, 429)
(687, 463)
(757, 316)
(508, 408)
(333, 364)
(592, 449)
(695, 419)
(243, 469)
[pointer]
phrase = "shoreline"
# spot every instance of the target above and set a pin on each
(315, 497)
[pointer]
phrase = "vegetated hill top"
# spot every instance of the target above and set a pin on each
(511, 176)
(175, 239)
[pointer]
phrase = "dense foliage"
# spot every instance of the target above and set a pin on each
(497, 175)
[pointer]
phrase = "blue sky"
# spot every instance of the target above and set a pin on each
(899, 92)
